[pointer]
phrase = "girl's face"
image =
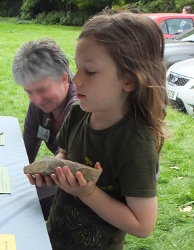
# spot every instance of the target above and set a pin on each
(98, 86)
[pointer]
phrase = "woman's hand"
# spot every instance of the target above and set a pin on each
(75, 186)
(39, 181)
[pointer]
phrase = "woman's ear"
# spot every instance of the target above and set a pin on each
(128, 85)
(65, 78)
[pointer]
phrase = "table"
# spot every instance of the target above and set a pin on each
(20, 212)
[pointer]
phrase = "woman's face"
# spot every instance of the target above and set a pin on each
(184, 11)
(48, 94)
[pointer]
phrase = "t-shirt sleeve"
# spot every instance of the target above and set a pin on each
(140, 180)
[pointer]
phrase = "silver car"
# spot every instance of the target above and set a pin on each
(180, 86)
(180, 48)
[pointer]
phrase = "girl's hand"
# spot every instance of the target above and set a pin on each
(75, 186)
(39, 181)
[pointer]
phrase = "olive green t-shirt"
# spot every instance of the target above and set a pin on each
(128, 155)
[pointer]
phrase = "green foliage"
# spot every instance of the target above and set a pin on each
(35, 9)
(40, 18)
(10, 8)
(150, 6)
(82, 4)
(159, 6)
(181, 3)
(52, 17)
(31, 8)
(27, 10)
(75, 19)
(69, 19)
(66, 20)
(52, 12)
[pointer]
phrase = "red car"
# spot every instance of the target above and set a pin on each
(173, 23)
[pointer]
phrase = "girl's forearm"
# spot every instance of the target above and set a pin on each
(117, 213)
(111, 210)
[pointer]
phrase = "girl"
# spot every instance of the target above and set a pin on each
(117, 128)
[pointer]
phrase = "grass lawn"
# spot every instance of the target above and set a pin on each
(175, 225)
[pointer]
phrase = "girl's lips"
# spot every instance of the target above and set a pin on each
(79, 96)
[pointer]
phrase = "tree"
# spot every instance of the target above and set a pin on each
(31, 8)
(180, 4)
(93, 3)
(10, 9)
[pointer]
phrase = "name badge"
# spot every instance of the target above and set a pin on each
(43, 133)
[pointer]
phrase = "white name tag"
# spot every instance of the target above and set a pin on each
(43, 133)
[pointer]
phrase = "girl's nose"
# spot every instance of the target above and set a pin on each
(76, 79)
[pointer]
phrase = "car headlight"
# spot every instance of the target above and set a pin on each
(168, 76)
(171, 78)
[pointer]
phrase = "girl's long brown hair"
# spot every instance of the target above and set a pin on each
(136, 44)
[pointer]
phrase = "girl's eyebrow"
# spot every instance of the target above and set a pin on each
(93, 63)
(88, 62)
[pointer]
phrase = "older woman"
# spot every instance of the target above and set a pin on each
(42, 69)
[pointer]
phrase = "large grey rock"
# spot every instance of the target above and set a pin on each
(47, 166)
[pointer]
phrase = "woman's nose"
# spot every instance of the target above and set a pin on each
(36, 99)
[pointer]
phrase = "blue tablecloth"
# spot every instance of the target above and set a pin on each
(20, 212)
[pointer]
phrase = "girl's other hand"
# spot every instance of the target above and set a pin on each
(39, 181)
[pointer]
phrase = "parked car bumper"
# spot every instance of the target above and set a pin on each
(181, 96)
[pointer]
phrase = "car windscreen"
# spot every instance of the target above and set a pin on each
(176, 25)
(187, 36)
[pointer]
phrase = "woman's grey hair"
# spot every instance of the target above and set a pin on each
(40, 59)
